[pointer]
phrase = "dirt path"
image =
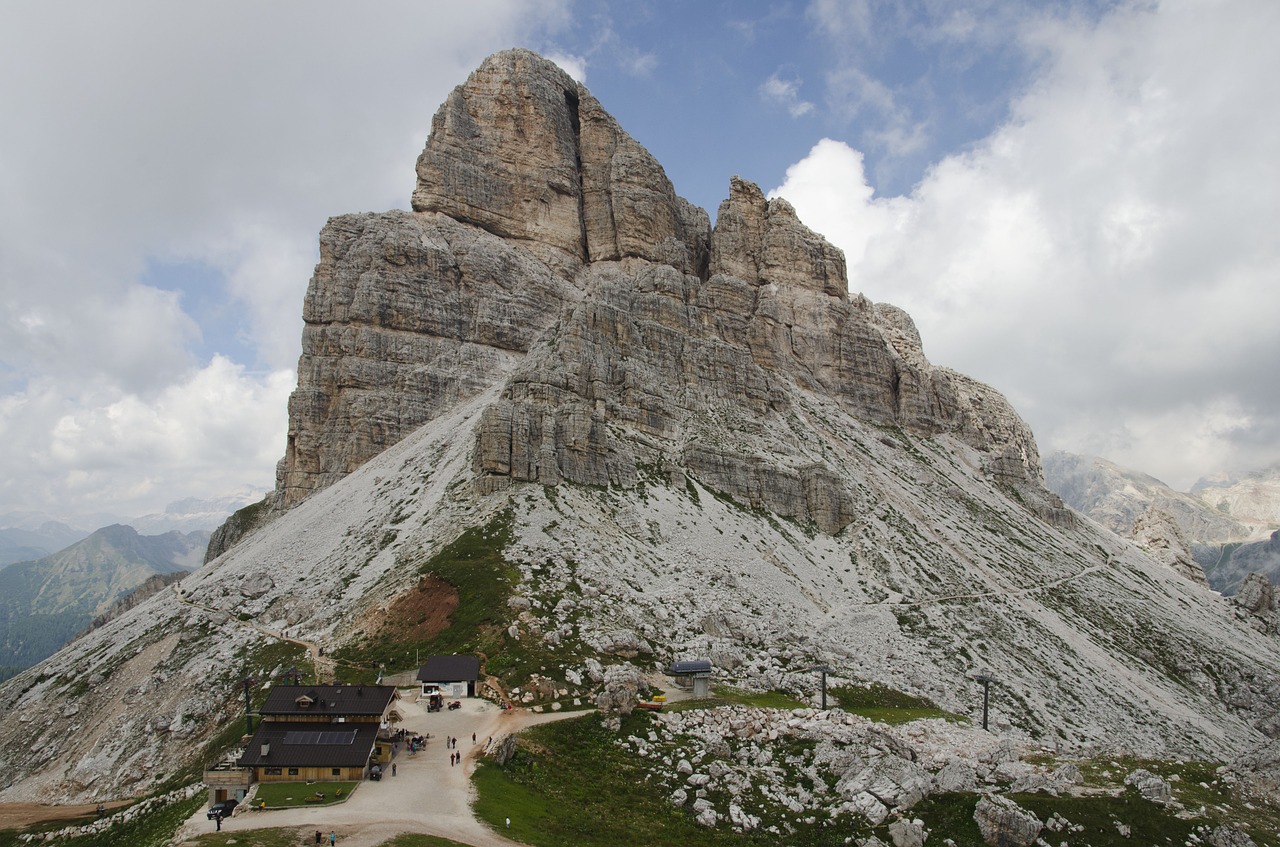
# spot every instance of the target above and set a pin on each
(22, 815)
(325, 666)
(427, 794)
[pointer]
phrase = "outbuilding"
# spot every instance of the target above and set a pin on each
(692, 673)
(450, 676)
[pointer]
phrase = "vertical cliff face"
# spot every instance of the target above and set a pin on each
(548, 249)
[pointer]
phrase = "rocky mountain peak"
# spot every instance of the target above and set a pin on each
(546, 246)
(763, 241)
(523, 151)
(1156, 532)
(667, 442)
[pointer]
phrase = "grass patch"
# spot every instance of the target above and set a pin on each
(724, 695)
(283, 795)
(475, 568)
(1150, 824)
(945, 816)
(294, 836)
(760, 699)
(412, 839)
(888, 705)
(1196, 785)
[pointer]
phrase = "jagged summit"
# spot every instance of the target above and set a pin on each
(526, 153)
(548, 247)
(678, 442)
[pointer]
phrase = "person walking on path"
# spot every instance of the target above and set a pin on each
(393, 768)
(473, 738)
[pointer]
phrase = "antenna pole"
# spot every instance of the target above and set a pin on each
(248, 718)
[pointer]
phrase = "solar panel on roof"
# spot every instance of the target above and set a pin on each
(328, 737)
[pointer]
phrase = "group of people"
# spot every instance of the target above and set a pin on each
(333, 837)
(452, 743)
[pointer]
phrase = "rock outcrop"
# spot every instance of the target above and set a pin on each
(1157, 533)
(547, 248)
(1256, 594)
(1003, 823)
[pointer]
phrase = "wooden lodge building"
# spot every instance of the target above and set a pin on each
(321, 733)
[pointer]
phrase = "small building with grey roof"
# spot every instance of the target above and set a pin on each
(451, 676)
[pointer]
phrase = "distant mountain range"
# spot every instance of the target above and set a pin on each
(45, 602)
(18, 544)
(1228, 525)
(25, 536)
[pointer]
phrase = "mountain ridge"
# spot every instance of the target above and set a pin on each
(699, 444)
(1195, 531)
(47, 601)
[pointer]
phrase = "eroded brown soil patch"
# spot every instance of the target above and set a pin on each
(422, 612)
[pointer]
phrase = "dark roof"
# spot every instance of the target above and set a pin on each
(450, 669)
(690, 667)
(332, 700)
(301, 745)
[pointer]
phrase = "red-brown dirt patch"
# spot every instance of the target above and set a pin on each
(422, 612)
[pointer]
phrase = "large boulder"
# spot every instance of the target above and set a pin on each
(1256, 594)
(1003, 823)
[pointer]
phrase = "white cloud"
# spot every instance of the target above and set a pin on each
(218, 134)
(785, 93)
(215, 428)
(851, 20)
(1107, 257)
(574, 66)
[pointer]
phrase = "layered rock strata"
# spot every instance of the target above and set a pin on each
(547, 248)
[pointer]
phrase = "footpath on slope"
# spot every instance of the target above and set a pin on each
(326, 666)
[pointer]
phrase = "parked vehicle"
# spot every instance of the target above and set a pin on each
(456, 704)
(222, 809)
(375, 773)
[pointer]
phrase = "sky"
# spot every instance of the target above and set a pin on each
(1077, 202)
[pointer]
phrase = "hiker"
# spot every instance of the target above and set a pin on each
(473, 738)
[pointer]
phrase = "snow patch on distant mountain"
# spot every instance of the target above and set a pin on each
(192, 514)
